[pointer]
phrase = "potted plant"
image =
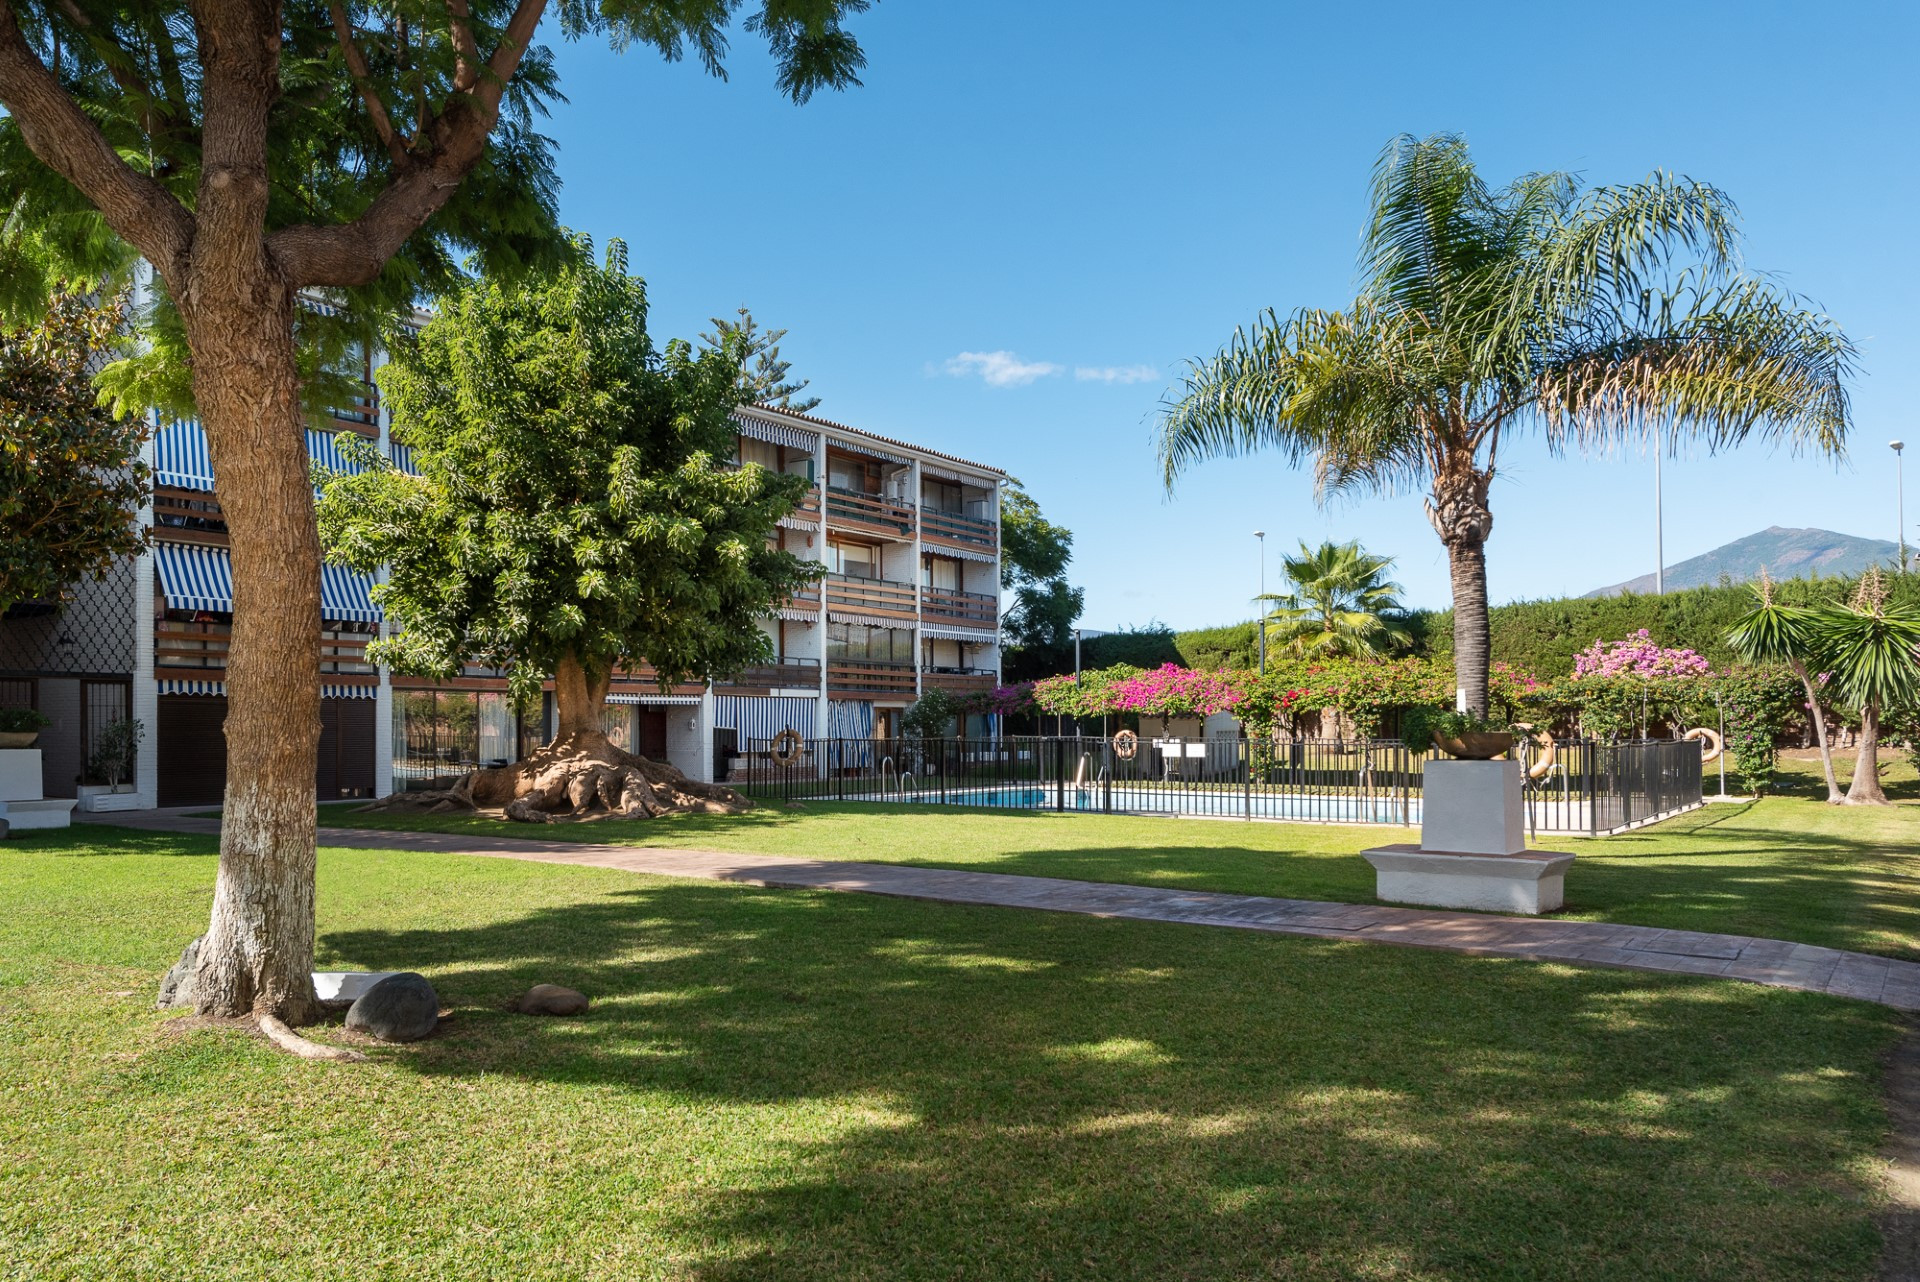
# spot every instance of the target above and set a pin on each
(19, 727)
(114, 751)
(1458, 734)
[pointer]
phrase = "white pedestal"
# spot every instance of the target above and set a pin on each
(19, 774)
(1473, 808)
(1533, 882)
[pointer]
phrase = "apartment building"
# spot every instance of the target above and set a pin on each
(909, 539)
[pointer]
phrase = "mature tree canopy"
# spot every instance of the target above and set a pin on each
(574, 504)
(764, 376)
(1034, 554)
(71, 479)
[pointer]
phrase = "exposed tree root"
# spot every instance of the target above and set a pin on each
(288, 1040)
(577, 776)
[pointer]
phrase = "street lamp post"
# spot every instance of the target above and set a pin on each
(1259, 619)
(1900, 502)
(1659, 523)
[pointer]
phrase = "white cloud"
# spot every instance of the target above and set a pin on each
(1115, 373)
(1000, 369)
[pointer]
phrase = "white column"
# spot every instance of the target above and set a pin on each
(383, 692)
(145, 701)
(913, 487)
(820, 722)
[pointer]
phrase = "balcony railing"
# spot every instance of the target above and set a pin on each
(869, 596)
(805, 598)
(204, 645)
(851, 509)
(942, 605)
(954, 528)
(959, 680)
(870, 678)
(782, 674)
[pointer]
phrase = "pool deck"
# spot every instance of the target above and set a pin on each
(1777, 963)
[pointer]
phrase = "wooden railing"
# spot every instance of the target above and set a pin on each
(808, 508)
(790, 674)
(805, 598)
(951, 527)
(958, 680)
(945, 606)
(204, 645)
(870, 596)
(870, 678)
(851, 509)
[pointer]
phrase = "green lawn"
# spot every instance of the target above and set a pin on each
(781, 1084)
(1789, 867)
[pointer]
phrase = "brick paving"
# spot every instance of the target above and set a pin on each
(1775, 962)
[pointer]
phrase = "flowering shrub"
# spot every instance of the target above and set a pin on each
(1172, 691)
(1092, 695)
(1638, 656)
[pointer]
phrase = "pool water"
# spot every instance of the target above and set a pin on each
(1297, 806)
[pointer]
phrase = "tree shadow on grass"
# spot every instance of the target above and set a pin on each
(84, 840)
(908, 1090)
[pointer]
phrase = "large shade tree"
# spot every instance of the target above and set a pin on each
(575, 510)
(255, 152)
(1596, 317)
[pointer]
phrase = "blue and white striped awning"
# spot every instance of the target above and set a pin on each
(870, 620)
(346, 594)
(656, 700)
(778, 433)
(168, 685)
(849, 719)
(180, 457)
(402, 456)
(972, 636)
(860, 445)
(324, 449)
(754, 719)
(331, 691)
(195, 577)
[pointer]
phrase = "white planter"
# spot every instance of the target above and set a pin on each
(1533, 882)
(100, 799)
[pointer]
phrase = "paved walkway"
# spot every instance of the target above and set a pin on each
(1776, 962)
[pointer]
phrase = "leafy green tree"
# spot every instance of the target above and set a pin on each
(1788, 635)
(1592, 317)
(1037, 626)
(1872, 651)
(347, 153)
(575, 508)
(1342, 605)
(70, 472)
(764, 377)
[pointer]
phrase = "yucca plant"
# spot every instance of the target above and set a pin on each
(1789, 635)
(1872, 651)
(1593, 317)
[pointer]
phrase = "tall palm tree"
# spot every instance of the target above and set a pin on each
(1788, 635)
(1341, 605)
(1595, 317)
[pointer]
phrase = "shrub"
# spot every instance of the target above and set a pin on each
(22, 721)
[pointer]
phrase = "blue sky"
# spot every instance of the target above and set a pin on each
(1101, 190)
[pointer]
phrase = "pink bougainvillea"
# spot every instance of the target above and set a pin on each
(1638, 656)
(1174, 691)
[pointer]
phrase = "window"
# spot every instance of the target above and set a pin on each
(855, 560)
(940, 572)
(859, 643)
(939, 496)
(944, 654)
(845, 473)
(440, 735)
(765, 453)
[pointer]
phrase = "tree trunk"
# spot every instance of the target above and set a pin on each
(258, 954)
(1459, 513)
(1865, 789)
(1819, 720)
(579, 699)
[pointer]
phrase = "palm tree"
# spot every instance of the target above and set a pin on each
(1342, 604)
(1873, 653)
(1788, 635)
(1595, 317)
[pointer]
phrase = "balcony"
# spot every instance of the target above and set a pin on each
(957, 530)
(973, 609)
(858, 676)
(869, 513)
(805, 599)
(203, 646)
(870, 596)
(782, 674)
(959, 680)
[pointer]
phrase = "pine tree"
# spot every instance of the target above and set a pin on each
(763, 378)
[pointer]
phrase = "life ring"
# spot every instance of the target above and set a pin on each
(786, 747)
(1711, 738)
(1544, 742)
(1125, 745)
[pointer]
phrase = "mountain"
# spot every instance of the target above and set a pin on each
(1787, 554)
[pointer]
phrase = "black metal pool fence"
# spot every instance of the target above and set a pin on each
(1587, 787)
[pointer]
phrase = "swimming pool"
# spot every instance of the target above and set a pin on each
(1225, 803)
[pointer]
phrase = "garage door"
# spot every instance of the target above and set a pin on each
(193, 749)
